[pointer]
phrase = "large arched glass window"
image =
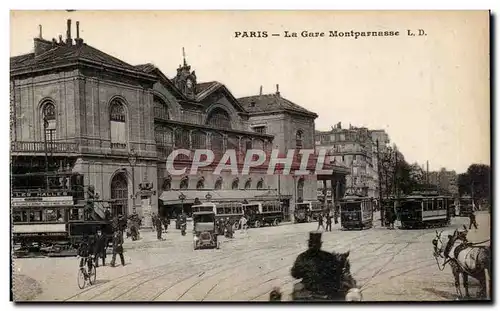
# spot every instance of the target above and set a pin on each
(198, 140)
(167, 184)
(117, 119)
(298, 139)
(49, 121)
(218, 184)
(182, 140)
(219, 118)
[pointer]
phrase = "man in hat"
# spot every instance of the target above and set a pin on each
(117, 248)
(316, 268)
(100, 247)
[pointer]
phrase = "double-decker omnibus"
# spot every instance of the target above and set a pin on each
(224, 211)
(53, 219)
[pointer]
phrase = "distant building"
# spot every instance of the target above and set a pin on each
(355, 148)
(445, 180)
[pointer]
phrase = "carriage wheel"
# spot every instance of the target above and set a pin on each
(256, 224)
(235, 226)
(275, 222)
(81, 279)
(308, 219)
(194, 245)
(92, 275)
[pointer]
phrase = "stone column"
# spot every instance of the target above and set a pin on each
(146, 211)
(325, 197)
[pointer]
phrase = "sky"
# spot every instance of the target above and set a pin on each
(430, 93)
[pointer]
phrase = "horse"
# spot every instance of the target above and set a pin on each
(465, 259)
(346, 288)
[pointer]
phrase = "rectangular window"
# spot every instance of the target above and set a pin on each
(118, 135)
(260, 129)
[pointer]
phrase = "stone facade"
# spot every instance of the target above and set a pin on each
(116, 124)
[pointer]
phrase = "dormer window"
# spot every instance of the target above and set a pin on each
(252, 104)
(259, 129)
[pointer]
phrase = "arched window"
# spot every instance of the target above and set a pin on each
(219, 118)
(300, 189)
(182, 140)
(117, 119)
(200, 184)
(260, 184)
(198, 140)
(160, 109)
(184, 183)
(217, 144)
(248, 184)
(49, 121)
(218, 184)
(298, 139)
(235, 184)
(167, 184)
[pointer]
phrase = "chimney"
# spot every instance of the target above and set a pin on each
(260, 93)
(41, 45)
(60, 39)
(78, 40)
(277, 89)
(68, 34)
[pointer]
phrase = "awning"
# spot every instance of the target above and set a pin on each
(172, 197)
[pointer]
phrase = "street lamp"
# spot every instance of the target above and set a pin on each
(208, 197)
(132, 159)
(182, 197)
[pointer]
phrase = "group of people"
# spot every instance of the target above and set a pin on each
(328, 217)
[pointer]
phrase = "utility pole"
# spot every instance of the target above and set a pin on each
(379, 169)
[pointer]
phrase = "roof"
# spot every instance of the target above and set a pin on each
(271, 102)
(63, 54)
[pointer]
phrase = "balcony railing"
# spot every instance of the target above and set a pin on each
(41, 147)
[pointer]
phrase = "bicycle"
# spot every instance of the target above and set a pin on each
(84, 275)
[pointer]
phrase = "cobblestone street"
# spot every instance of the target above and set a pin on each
(389, 265)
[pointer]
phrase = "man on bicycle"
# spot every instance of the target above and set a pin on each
(84, 251)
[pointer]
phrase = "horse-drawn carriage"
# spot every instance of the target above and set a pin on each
(466, 259)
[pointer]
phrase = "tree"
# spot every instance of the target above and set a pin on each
(476, 182)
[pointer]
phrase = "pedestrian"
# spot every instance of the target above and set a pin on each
(336, 214)
(472, 218)
(320, 222)
(243, 224)
(153, 221)
(165, 222)
(329, 222)
(117, 248)
(159, 229)
(100, 248)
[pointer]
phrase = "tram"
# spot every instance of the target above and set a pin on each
(55, 219)
(424, 210)
(264, 212)
(465, 206)
(307, 211)
(356, 212)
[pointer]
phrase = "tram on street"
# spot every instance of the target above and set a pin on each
(307, 211)
(465, 206)
(263, 213)
(55, 219)
(356, 212)
(422, 210)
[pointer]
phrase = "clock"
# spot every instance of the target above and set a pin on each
(189, 84)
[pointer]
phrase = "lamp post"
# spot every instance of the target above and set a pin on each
(182, 197)
(208, 197)
(132, 159)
